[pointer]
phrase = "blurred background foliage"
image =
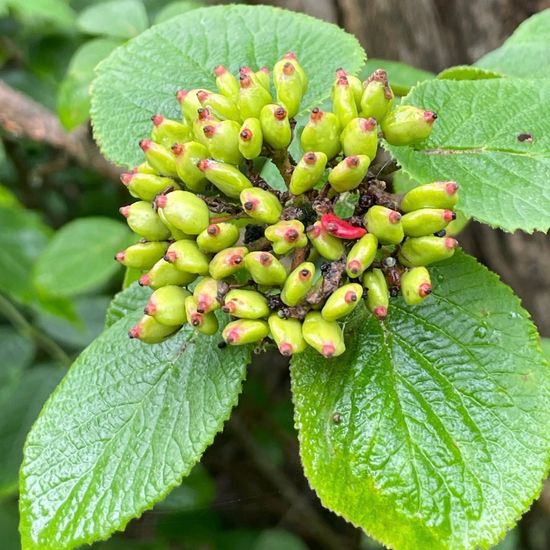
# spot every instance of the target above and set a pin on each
(60, 227)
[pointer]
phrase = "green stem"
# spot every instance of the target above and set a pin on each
(29, 331)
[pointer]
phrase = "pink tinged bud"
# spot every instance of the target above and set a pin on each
(170, 256)
(245, 81)
(352, 162)
(160, 201)
(291, 235)
(288, 69)
(157, 120)
(368, 124)
(145, 280)
(279, 113)
(203, 165)
(350, 297)
(209, 131)
(145, 144)
(150, 308)
(125, 210)
(196, 319)
(119, 257)
(235, 259)
(266, 259)
(305, 274)
(290, 55)
(342, 81)
(449, 215)
(316, 114)
(134, 332)
(340, 72)
(451, 187)
(250, 205)
(328, 350)
(380, 312)
(229, 307)
(202, 305)
(178, 149)
(245, 71)
(286, 349)
(203, 113)
(425, 289)
(354, 267)
(213, 230)
(202, 96)
(181, 95)
(316, 231)
(233, 336)
(219, 70)
(246, 134)
(450, 243)
(430, 117)
(310, 158)
(265, 70)
(394, 216)
(126, 178)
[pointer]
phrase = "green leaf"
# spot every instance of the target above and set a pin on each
(133, 84)
(467, 72)
(80, 256)
(504, 180)
(526, 53)
(346, 203)
(177, 8)
(37, 12)
(17, 354)
(22, 239)
(73, 99)
(19, 408)
(9, 535)
(270, 173)
(402, 77)
(118, 18)
(545, 345)
(432, 430)
(7, 198)
(123, 428)
(127, 301)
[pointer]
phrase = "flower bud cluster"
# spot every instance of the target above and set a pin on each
(283, 265)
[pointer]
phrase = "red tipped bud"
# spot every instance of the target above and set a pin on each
(425, 289)
(449, 215)
(380, 312)
(157, 119)
(178, 149)
(310, 158)
(209, 131)
(286, 349)
(368, 124)
(181, 94)
(160, 201)
(291, 235)
(279, 113)
(203, 164)
(350, 297)
(219, 70)
(354, 267)
(145, 144)
(288, 69)
(290, 55)
(316, 114)
(119, 257)
(352, 161)
(202, 96)
(394, 216)
(265, 70)
(450, 243)
(246, 134)
(451, 187)
(134, 332)
(305, 274)
(430, 116)
(170, 256)
(340, 72)
(145, 280)
(267, 259)
(328, 350)
(203, 113)
(125, 210)
(126, 177)
(213, 230)
(245, 81)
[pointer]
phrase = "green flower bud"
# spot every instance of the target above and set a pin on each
(286, 235)
(184, 210)
(290, 57)
(246, 304)
(150, 331)
(146, 186)
(159, 158)
(251, 138)
(166, 132)
(207, 323)
(144, 168)
(223, 141)
(164, 273)
(440, 194)
(265, 268)
(343, 101)
(206, 295)
(167, 305)
(289, 86)
(252, 97)
(142, 255)
(245, 331)
(275, 126)
(218, 236)
(287, 334)
(226, 83)
(220, 106)
(361, 255)
(298, 284)
(419, 251)
(187, 156)
(227, 178)
(323, 336)
(377, 96)
(355, 84)
(204, 118)
(144, 221)
(342, 301)
(189, 103)
(385, 224)
(416, 285)
(307, 172)
(262, 76)
(322, 133)
(349, 173)
(407, 125)
(378, 295)
(261, 205)
(426, 221)
(227, 262)
(328, 246)
(187, 256)
(360, 137)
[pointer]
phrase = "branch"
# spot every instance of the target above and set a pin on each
(21, 116)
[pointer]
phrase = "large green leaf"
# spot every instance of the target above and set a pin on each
(432, 431)
(80, 256)
(476, 141)
(17, 354)
(122, 429)
(141, 78)
(526, 53)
